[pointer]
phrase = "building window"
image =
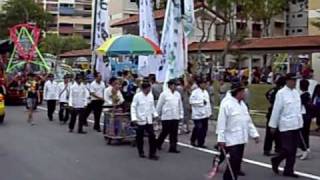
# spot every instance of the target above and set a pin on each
(293, 16)
(279, 24)
(293, 31)
(299, 30)
(300, 15)
(133, 1)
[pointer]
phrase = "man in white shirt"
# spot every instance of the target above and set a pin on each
(96, 89)
(50, 94)
(170, 108)
(78, 101)
(234, 127)
(287, 116)
(142, 114)
(201, 111)
(64, 90)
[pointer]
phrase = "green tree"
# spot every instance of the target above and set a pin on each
(22, 11)
(55, 44)
(264, 11)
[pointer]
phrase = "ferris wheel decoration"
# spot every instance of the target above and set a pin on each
(25, 38)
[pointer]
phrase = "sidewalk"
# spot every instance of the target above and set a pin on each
(255, 151)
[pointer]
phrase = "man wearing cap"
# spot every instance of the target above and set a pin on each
(50, 93)
(234, 127)
(170, 108)
(64, 89)
(201, 111)
(142, 114)
(287, 116)
(78, 101)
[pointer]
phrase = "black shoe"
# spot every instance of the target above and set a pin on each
(193, 144)
(154, 157)
(275, 166)
(82, 132)
(142, 156)
(159, 148)
(293, 175)
(267, 153)
(98, 130)
(174, 151)
(241, 173)
(70, 130)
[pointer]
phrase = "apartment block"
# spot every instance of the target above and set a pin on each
(71, 17)
(297, 17)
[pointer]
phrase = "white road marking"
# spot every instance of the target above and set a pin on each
(253, 162)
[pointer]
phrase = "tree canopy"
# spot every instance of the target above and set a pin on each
(22, 11)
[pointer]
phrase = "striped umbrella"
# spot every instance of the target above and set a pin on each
(129, 45)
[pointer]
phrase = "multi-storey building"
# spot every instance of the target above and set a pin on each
(71, 17)
(297, 17)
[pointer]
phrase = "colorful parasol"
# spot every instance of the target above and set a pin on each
(129, 45)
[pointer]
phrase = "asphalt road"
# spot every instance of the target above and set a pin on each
(48, 151)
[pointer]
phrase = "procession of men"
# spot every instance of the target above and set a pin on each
(288, 119)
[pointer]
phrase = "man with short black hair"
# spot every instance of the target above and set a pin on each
(50, 94)
(170, 108)
(287, 116)
(142, 113)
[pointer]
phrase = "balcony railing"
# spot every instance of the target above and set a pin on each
(66, 11)
(66, 30)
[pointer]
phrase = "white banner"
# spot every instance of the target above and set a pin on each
(147, 64)
(100, 32)
(188, 17)
(172, 45)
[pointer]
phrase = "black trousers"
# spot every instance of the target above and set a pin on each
(80, 113)
(140, 139)
(169, 127)
(51, 104)
(269, 138)
(96, 107)
(305, 133)
(199, 131)
(289, 145)
(64, 112)
(236, 155)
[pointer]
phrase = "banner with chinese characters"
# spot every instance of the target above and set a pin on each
(147, 26)
(100, 33)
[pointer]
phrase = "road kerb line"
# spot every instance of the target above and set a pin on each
(253, 162)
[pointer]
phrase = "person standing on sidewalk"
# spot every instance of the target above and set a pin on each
(307, 119)
(78, 102)
(64, 89)
(33, 96)
(50, 94)
(286, 115)
(234, 127)
(201, 112)
(142, 114)
(96, 91)
(171, 110)
(269, 138)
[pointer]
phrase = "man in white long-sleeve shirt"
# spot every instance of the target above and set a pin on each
(64, 90)
(170, 108)
(234, 128)
(78, 101)
(50, 94)
(201, 111)
(287, 116)
(142, 114)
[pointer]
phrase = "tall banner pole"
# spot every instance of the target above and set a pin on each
(93, 36)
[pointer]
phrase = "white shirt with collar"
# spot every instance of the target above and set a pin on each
(170, 105)
(97, 89)
(234, 124)
(50, 90)
(64, 90)
(107, 96)
(200, 109)
(287, 110)
(78, 97)
(142, 109)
